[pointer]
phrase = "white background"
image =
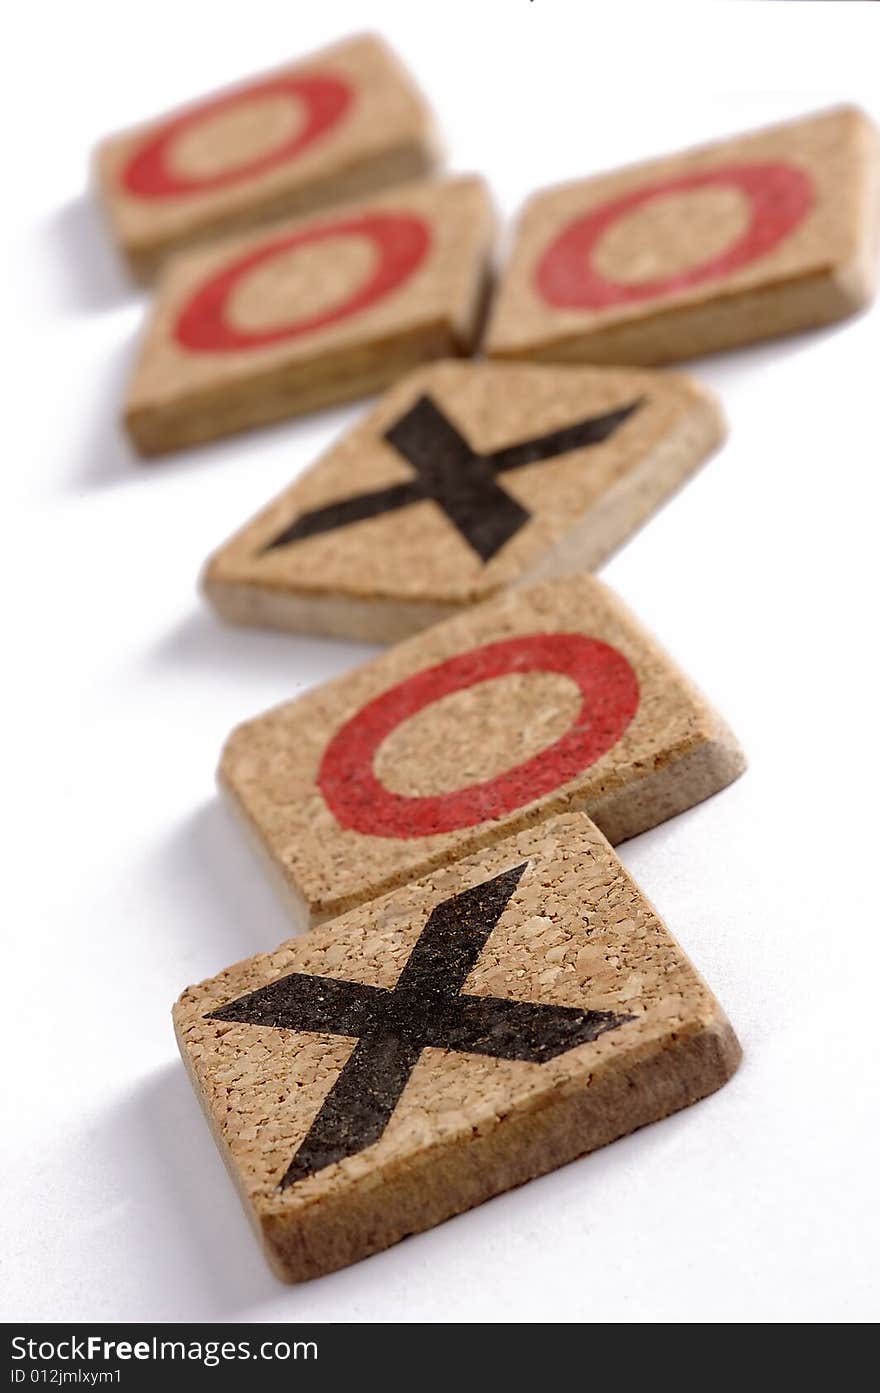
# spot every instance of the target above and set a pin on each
(124, 879)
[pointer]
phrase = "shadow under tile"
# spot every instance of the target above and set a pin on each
(90, 274)
(297, 660)
(103, 455)
(182, 1223)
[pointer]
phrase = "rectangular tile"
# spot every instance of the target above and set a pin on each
(543, 701)
(466, 480)
(340, 124)
(747, 239)
(445, 1043)
(311, 312)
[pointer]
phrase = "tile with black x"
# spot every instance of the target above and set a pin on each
(467, 479)
(446, 1042)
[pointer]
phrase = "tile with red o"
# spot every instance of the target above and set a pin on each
(744, 240)
(548, 700)
(310, 312)
(342, 123)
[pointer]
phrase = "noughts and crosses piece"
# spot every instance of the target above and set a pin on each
(546, 700)
(466, 480)
(725, 245)
(339, 124)
(311, 312)
(445, 1043)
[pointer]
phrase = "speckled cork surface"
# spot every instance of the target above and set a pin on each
(547, 700)
(342, 123)
(445, 1043)
(466, 480)
(743, 240)
(311, 312)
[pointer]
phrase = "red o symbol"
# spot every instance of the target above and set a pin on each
(400, 240)
(361, 803)
(147, 174)
(779, 195)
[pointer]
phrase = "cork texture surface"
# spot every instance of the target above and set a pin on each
(451, 1040)
(547, 700)
(466, 480)
(340, 124)
(743, 240)
(314, 311)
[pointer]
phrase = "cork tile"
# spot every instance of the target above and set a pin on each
(744, 240)
(311, 312)
(340, 124)
(546, 700)
(447, 1042)
(466, 480)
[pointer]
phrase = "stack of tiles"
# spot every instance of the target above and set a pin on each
(495, 997)
(482, 993)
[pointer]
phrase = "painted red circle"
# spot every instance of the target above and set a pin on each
(148, 175)
(779, 195)
(361, 803)
(400, 240)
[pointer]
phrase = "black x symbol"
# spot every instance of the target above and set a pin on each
(462, 483)
(425, 1009)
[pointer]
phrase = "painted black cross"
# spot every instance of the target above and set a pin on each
(461, 482)
(424, 1010)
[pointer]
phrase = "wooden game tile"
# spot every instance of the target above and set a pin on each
(341, 124)
(467, 479)
(739, 241)
(543, 701)
(311, 312)
(447, 1042)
